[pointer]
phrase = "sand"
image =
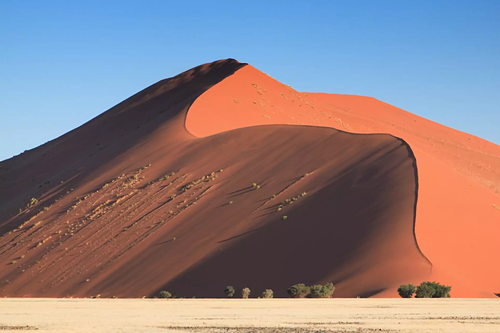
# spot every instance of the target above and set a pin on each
(205, 180)
(132, 203)
(253, 315)
(457, 224)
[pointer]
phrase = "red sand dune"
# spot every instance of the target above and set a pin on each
(107, 220)
(458, 220)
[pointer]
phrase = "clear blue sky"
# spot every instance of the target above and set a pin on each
(64, 62)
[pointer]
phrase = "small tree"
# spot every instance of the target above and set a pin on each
(268, 293)
(440, 291)
(245, 293)
(229, 291)
(316, 291)
(299, 291)
(164, 294)
(406, 290)
(328, 290)
(319, 291)
(425, 291)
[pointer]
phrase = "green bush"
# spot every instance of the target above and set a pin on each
(442, 291)
(245, 293)
(268, 293)
(432, 290)
(425, 291)
(319, 291)
(406, 290)
(299, 291)
(164, 294)
(328, 289)
(229, 291)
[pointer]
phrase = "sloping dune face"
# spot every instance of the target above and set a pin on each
(132, 203)
(457, 222)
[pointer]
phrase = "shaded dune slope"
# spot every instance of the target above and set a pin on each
(132, 203)
(457, 223)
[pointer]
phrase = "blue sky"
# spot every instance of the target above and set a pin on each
(64, 62)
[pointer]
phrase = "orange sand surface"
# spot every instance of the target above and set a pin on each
(458, 220)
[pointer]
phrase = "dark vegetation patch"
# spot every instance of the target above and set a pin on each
(218, 329)
(17, 328)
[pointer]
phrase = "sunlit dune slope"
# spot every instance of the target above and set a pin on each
(458, 214)
(132, 203)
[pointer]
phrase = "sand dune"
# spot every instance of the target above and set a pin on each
(179, 188)
(459, 175)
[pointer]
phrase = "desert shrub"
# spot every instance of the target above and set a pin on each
(268, 293)
(319, 291)
(245, 293)
(316, 291)
(406, 290)
(328, 289)
(164, 294)
(299, 291)
(432, 290)
(424, 291)
(229, 291)
(440, 291)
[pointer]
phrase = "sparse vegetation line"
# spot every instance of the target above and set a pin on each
(282, 191)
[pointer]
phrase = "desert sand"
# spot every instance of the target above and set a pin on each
(458, 214)
(253, 315)
(205, 180)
